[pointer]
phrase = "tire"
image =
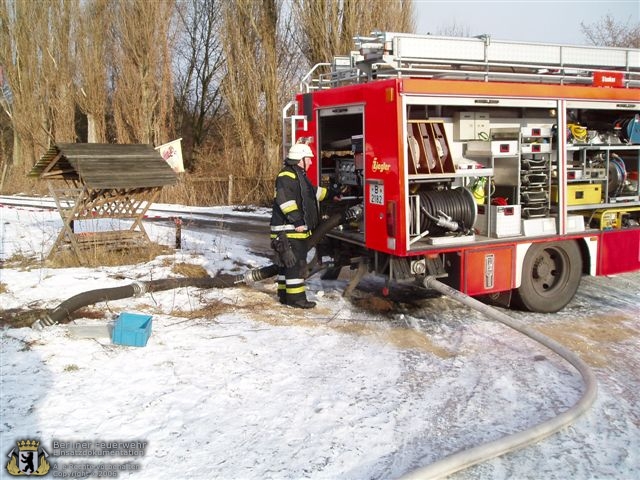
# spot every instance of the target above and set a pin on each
(551, 274)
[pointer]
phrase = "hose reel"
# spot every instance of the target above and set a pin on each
(443, 211)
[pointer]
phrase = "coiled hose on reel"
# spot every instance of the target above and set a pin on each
(443, 211)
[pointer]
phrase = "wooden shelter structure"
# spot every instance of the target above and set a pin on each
(92, 182)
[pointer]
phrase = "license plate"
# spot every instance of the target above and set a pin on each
(376, 194)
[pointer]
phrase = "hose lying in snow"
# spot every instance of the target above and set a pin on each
(136, 289)
(466, 458)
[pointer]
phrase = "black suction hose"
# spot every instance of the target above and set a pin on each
(70, 305)
(258, 274)
(328, 225)
(87, 298)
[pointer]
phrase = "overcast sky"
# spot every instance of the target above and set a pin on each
(530, 20)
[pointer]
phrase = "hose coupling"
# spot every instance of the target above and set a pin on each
(251, 276)
(447, 222)
(353, 214)
(139, 288)
(42, 322)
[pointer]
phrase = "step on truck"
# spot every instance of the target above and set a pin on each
(507, 170)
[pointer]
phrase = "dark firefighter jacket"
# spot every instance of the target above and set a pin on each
(295, 203)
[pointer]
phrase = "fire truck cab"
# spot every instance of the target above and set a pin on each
(499, 167)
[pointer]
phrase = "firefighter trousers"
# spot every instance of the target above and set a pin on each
(291, 288)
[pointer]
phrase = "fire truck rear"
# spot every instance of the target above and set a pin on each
(506, 170)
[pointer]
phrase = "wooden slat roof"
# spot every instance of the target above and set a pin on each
(105, 166)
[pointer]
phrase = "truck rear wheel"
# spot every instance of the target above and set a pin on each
(551, 275)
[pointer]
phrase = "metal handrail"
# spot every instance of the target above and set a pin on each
(381, 56)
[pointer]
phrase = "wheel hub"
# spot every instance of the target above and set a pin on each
(544, 268)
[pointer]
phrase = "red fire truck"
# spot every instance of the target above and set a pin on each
(507, 170)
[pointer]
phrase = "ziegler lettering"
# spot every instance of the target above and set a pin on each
(380, 167)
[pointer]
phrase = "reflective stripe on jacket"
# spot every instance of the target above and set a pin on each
(295, 203)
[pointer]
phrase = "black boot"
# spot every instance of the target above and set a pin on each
(304, 303)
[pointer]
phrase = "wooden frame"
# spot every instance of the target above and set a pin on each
(82, 204)
(103, 181)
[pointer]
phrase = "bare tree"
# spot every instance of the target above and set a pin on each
(37, 48)
(57, 66)
(327, 27)
(198, 67)
(142, 87)
(6, 132)
(454, 29)
(612, 33)
(98, 55)
(94, 58)
(21, 56)
(259, 62)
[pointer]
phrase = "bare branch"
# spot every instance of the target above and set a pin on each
(610, 32)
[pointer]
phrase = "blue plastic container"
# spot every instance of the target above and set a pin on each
(132, 329)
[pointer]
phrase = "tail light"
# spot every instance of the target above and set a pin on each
(391, 219)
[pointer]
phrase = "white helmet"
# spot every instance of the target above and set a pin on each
(299, 151)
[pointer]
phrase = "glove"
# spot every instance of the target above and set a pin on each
(283, 248)
(288, 258)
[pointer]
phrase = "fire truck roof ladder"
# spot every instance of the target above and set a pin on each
(389, 54)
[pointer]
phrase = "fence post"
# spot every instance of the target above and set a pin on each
(230, 194)
(178, 223)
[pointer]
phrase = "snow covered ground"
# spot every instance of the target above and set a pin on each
(231, 385)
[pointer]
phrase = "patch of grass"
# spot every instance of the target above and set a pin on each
(71, 368)
(22, 317)
(100, 256)
(20, 261)
(96, 256)
(210, 311)
(251, 304)
(87, 313)
(189, 270)
(374, 304)
(3, 288)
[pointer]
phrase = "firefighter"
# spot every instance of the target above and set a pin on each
(295, 215)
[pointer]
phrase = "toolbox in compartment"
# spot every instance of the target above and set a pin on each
(533, 227)
(535, 132)
(580, 193)
(504, 147)
(535, 148)
(504, 222)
